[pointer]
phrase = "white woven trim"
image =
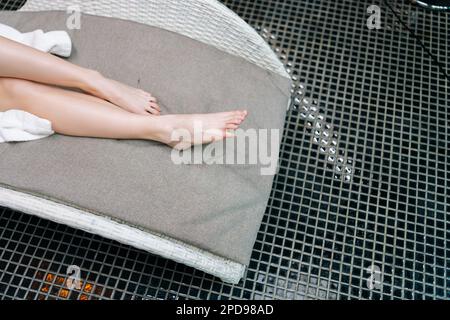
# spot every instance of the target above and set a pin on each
(207, 21)
(227, 270)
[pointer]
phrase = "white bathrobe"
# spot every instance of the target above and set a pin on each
(17, 125)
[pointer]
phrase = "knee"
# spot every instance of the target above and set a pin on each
(10, 86)
(11, 90)
(4, 86)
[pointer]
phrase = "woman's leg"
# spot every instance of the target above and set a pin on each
(23, 62)
(78, 114)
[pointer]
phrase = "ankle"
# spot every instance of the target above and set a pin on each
(92, 82)
(158, 128)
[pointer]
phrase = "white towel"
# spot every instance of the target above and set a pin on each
(17, 125)
(55, 42)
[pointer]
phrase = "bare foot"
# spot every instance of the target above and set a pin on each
(128, 98)
(183, 131)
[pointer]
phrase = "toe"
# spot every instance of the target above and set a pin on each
(151, 98)
(152, 111)
(155, 106)
(231, 126)
(235, 121)
(234, 115)
(239, 114)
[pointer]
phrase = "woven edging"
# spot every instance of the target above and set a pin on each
(208, 21)
(226, 270)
